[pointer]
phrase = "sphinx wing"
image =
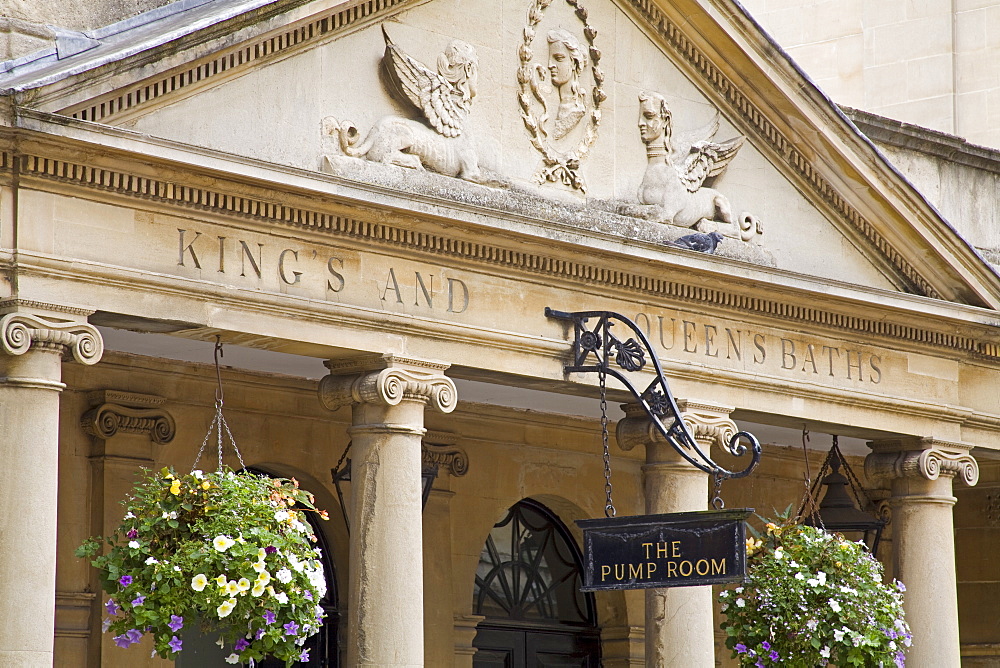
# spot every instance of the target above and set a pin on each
(440, 102)
(707, 159)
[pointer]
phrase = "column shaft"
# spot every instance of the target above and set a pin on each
(29, 449)
(386, 586)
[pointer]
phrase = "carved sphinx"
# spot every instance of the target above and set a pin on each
(440, 142)
(678, 168)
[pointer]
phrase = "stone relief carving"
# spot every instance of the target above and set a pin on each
(440, 143)
(571, 82)
(678, 167)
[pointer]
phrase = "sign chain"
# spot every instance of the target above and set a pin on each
(717, 501)
(609, 508)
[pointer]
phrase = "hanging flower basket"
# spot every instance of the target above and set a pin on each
(225, 553)
(812, 598)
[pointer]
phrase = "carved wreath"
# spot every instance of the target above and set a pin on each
(558, 166)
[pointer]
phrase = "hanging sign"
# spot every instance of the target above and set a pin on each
(673, 550)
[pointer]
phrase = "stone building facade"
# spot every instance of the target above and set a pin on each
(371, 203)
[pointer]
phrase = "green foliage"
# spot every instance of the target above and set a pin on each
(813, 598)
(223, 552)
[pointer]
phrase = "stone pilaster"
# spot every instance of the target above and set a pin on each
(919, 473)
(34, 338)
(127, 430)
(388, 396)
(679, 622)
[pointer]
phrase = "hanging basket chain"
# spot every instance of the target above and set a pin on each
(717, 502)
(218, 423)
(609, 507)
(809, 507)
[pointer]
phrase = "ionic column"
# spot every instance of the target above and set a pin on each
(386, 604)
(919, 472)
(33, 340)
(679, 622)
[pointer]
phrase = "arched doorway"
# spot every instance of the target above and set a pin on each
(528, 588)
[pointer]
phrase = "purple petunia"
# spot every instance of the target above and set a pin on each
(270, 549)
(269, 617)
(175, 644)
(125, 580)
(259, 634)
(291, 628)
(134, 635)
(138, 600)
(765, 645)
(308, 594)
(241, 645)
(122, 640)
(111, 607)
(132, 533)
(900, 660)
(759, 664)
(176, 623)
(741, 648)
(304, 656)
(773, 656)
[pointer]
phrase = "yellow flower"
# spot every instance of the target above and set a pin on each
(258, 588)
(223, 543)
(206, 485)
(264, 577)
(221, 580)
(232, 588)
(259, 566)
(175, 487)
(243, 585)
(199, 582)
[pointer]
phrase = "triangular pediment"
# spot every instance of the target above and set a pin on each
(754, 152)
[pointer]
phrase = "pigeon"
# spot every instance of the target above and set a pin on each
(699, 241)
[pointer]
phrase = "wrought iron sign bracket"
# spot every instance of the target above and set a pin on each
(596, 349)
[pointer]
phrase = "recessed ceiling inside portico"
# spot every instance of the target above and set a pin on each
(473, 391)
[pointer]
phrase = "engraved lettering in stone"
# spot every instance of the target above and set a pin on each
(648, 328)
(689, 336)
(337, 284)
(247, 254)
(787, 354)
(187, 249)
(296, 275)
(830, 350)
(874, 362)
(457, 288)
(853, 366)
(222, 255)
(758, 343)
(734, 344)
(710, 332)
(810, 358)
(421, 288)
(673, 333)
(392, 284)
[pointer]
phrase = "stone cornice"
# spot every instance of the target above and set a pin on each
(19, 332)
(257, 209)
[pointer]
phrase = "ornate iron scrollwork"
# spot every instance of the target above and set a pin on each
(597, 349)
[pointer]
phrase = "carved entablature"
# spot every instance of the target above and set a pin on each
(25, 325)
(361, 381)
(924, 458)
(130, 413)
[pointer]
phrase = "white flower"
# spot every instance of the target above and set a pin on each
(258, 588)
(299, 526)
(281, 597)
(740, 603)
(724, 607)
(199, 582)
(226, 608)
(838, 635)
(834, 605)
(778, 554)
(281, 515)
(799, 576)
(223, 543)
(134, 544)
(151, 560)
(233, 658)
(243, 585)
(284, 576)
(177, 568)
(220, 642)
(825, 652)
(812, 624)
(129, 515)
(198, 474)
(259, 566)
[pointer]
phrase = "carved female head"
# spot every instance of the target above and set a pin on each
(567, 58)
(654, 118)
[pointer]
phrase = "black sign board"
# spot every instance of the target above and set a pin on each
(673, 550)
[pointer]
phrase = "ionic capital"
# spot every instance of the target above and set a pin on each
(920, 458)
(708, 423)
(131, 414)
(399, 380)
(450, 459)
(21, 330)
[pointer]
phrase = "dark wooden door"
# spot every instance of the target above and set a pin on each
(510, 647)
